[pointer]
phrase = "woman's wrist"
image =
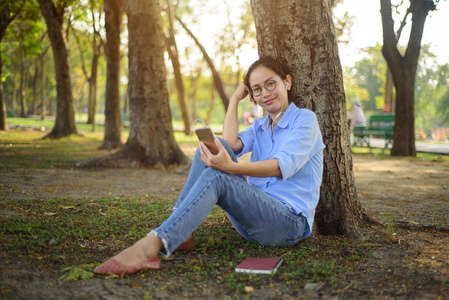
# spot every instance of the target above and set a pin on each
(234, 100)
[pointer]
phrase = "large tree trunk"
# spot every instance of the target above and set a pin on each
(65, 114)
(403, 69)
(215, 75)
(300, 34)
(172, 50)
(113, 122)
(150, 142)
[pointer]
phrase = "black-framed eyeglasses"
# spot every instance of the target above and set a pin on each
(269, 86)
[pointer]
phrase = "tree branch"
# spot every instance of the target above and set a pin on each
(389, 48)
(403, 23)
(419, 9)
(83, 62)
(217, 80)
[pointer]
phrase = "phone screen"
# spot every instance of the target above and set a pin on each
(206, 135)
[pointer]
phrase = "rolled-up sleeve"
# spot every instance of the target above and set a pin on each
(300, 145)
(247, 137)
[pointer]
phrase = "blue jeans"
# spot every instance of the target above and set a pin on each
(254, 214)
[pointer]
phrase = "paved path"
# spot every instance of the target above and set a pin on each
(427, 147)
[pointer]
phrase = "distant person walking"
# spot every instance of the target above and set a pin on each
(356, 116)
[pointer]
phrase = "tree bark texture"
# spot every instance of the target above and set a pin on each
(150, 131)
(403, 69)
(65, 113)
(113, 122)
(301, 35)
(150, 142)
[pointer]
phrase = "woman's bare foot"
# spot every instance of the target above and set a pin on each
(144, 249)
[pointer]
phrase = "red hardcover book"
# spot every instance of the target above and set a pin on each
(259, 265)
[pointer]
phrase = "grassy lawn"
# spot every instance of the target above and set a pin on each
(70, 235)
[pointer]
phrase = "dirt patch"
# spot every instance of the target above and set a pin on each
(403, 191)
(407, 262)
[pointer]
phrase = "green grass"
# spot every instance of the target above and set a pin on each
(64, 233)
(68, 234)
(25, 147)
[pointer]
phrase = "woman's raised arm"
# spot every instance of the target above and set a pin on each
(231, 122)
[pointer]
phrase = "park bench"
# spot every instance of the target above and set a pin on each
(380, 126)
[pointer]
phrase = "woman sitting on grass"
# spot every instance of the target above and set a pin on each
(270, 200)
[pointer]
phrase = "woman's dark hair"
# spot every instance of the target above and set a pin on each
(269, 63)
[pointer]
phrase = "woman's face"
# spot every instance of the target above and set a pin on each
(273, 101)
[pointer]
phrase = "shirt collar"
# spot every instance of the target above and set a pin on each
(265, 124)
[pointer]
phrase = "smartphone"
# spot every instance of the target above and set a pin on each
(206, 135)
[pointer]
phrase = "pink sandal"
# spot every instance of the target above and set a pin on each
(112, 266)
(188, 245)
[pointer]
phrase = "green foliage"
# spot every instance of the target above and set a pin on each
(80, 272)
(432, 92)
(369, 74)
(343, 27)
(8, 11)
(366, 81)
(27, 29)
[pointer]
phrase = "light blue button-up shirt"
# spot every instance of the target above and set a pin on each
(298, 146)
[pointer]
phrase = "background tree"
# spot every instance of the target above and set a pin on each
(237, 34)
(443, 103)
(150, 142)
(8, 11)
(65, 115)
(28, 33)
(218, 83)
(389, 85)
(432, 87)
(113, 123)
(91, 35)
(403, 68)
(173, 53)
(301, 35)
(369, 73)
(44, 51)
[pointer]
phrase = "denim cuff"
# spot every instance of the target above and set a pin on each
(164, 251)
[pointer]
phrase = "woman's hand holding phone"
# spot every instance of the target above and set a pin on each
(221, 161)
(206, 136)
